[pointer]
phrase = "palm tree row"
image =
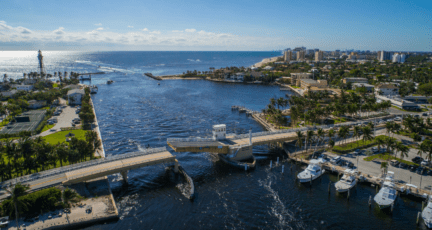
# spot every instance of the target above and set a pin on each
(33, 155)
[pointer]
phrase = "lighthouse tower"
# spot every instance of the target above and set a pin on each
(41, 67)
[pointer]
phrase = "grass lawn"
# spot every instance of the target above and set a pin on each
(353, 145)
(295, 87)
(339, 120)
(422, 109)
(61, 136)
(385, 156)
(47, 127)
(55, 85)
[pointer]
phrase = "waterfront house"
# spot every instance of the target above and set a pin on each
(75, 96)
(239, 76)
(72, 87)
(33, 104)
(257, 75)
(227, 73)
(269, 68)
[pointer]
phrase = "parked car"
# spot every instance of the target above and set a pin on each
(357, 152)
(77, 111)
(424, 114)
(429, 172)
(416, 115)
(403, 165)
(398, 119)
(413, 168)
(350, 165)
(374, 149)
(394, 163)
(417, 159)
(419, 170)
(424, 163)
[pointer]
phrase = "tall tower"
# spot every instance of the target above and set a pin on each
(41, 67)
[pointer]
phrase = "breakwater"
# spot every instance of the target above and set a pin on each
(150, 75)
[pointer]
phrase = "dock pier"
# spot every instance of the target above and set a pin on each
(150, 75)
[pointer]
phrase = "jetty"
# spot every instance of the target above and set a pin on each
(152, 76)
(242, 109)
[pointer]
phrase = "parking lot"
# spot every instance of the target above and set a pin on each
(63, 120)
(373, 168)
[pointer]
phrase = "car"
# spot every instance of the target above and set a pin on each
(357, 152)
(398, 119)
(403, 165)
(374, 149)
(417, 160)
(413, 168)
(419, 170)
(424, 114)
(429, 172)
(424, 163)
(416, 115)
(394, 163)
(350, 165)
(53, 130)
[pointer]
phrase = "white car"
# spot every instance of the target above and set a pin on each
(398, 119)
(374, 149)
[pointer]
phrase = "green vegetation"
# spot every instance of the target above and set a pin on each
(60, 137)
(354, 145)
(295, 87)
(37, 202)
(47, 127)
(422, 109)
(86, 115)
(388, 157)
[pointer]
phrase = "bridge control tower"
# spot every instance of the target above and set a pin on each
(219, 132)
(41, 66)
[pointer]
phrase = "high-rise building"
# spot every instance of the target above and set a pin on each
(384, 55)
(300, 55)
(315, 50)
(287, 55)
(402, 58)
(310, 52)
(396, 57)
(319, 55)
(301, 48)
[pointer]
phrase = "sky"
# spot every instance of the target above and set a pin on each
(222, 25)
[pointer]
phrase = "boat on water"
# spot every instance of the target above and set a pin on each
(109, 82)
(427, 213)
(386, 196)
(312, 172)
(347, 182)
(93, 89)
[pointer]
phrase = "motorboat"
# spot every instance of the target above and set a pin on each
(427, 214)
(387, 194)
(347, 182)
(312, 172)
(335, 160)
(93, 89)
(109, 82)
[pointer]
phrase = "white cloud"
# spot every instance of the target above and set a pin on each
(23, 30)
(59, 31)
(100, 28)
(130, 26)
(140, 39)
(99, 24)
(190, 30)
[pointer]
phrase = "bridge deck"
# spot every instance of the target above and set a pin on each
(117, 166)
(223, 146)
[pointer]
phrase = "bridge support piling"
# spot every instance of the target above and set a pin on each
(124, 175)
(176, 166)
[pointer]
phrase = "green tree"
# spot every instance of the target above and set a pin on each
(16, 192)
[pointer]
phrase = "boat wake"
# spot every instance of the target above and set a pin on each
(286, 217)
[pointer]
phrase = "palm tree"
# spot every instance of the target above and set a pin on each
(69, 196)
(389, 127)
(380, 142)
(309, 138)
(299, 143)
(320, 134)
(403, 149)
(16, 192)
(390, 142)
(331, 144)
(367, 134)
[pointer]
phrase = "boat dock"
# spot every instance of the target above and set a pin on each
(242, 109)
(152, 76)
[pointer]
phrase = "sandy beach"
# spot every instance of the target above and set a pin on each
(265, 61)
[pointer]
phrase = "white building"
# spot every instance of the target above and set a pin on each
(219, 132)
(369, 88)
(387, 90)
(75, 96)
(402, 58)
(239, 76)
(23, 87)
(269, 68)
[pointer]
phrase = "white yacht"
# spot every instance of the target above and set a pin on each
(387, 194)
(427, 214)
(312, 172)
(347, 182)
(93, 89)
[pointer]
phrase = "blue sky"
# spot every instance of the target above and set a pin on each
(215, 25)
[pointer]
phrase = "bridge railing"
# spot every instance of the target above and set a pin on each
(170, 140)
(72, 167)
(113, 168)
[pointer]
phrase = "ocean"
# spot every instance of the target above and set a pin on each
(134, 112)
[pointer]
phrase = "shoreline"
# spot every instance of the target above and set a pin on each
(265, 61)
